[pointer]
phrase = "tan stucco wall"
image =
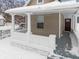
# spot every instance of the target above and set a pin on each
(34, 2)
(51, 25)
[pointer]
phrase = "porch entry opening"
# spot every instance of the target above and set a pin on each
(67, 24)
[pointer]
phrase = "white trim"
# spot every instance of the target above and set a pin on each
(40, 2)
(73, 22)
(76, 21)
(28, 23)
(25, 22)
(13, 23)
(59, 24)
(76, 17)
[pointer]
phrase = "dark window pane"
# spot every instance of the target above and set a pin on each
(39, 1)
(77, 19)
(40, 25)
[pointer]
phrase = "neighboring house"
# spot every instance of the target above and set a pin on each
(2, 19)
(43, 18)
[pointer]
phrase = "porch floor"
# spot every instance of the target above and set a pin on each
(64, 45)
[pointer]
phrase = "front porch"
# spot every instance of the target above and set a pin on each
(45, 45)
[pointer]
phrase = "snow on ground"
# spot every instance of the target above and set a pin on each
(7, 51)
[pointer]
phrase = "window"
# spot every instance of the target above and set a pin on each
(40, 1)
(77, 19)
(40, 22)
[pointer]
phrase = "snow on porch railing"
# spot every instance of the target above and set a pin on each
(36, 43)
(27, 2)
(4, 34)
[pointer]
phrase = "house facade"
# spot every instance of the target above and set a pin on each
(44, 21)
(46, 24)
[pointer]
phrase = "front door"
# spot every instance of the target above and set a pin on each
(68, 24)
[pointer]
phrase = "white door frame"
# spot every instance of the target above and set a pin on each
(76, 21)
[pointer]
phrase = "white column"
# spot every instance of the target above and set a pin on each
(29, 23)
(25, 22)
(59, 24)
(13, 23)
(73, 22)
(76, 22)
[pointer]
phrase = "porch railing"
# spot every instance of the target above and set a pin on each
(40, 44)
(4, 34)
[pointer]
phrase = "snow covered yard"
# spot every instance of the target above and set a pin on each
(7, 51)
(5, 31)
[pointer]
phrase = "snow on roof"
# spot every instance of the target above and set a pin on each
(43, 8)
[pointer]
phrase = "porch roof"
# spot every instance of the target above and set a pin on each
(52, 7)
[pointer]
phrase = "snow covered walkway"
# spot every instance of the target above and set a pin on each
(7, 51)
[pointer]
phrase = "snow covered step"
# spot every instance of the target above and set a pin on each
(35, 42)
(74, 40)
(28, 48)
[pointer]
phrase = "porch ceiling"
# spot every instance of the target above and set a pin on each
(53, 7)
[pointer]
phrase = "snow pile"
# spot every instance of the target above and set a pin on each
(9, 52)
